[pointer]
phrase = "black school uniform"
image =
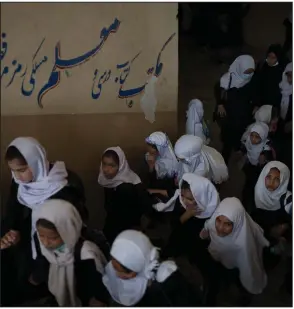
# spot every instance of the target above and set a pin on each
(252, 173)
(18, 259)
(88, 280)
(266, 85)
(125, 205)
(185, 240)
(175, 291)
(267, 219)
(238, 108)
(166, 183)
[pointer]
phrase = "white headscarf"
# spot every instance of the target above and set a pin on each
(45, 183)
(270, 200)
(254, 151)
(195, 115)
(204, 193)
(167, 163)
(68, 223)
(133, 250)
(286, 91)
(200, 159)
(241, 249)
(124, 174)
(264, 114)
(236, 72)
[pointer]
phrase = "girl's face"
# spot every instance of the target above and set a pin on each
(109, 167)
(272, 179)
(121, 271)
(271, 59)
(223, 226)
(21, 172)
(255, 138)
(49, 238)
(151, 150)
(188, 198)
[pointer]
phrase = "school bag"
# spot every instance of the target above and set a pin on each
(95, 236)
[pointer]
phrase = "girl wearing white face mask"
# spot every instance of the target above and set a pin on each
(233, 96)
(34, 180)
(73, 267)
(135, 277)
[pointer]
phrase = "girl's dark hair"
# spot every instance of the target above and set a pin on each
(46, 224)
(185, 185)
(13, 153)
(125, 269)
(277, 49)
(111, 154)
(153, 146)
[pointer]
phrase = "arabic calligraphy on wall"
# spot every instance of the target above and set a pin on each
(9, 72)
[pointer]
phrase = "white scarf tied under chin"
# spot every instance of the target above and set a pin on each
(124, 174)
(45, 183)
(203, 191)
(254, 151)
(270, 200)
(68, 223)
(243, 248)
(133, 250)
(236, 73)
(286, 91)
(264, 114)
(166, 164)
(200, 159)
(195, 115)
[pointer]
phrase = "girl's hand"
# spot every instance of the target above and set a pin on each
(221, 111)
(10, 239)
(32, 281)
(154, 191)
(151, 161)
(204, 234)
(262, 159)
(189, 213)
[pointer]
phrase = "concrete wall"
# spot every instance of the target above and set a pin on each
(79, 89)
(264, 24)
